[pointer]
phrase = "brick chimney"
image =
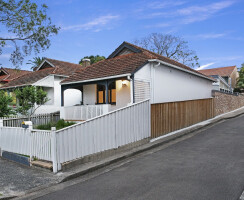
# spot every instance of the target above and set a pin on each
(86, 62)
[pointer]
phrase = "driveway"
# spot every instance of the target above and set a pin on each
(207, 166)
(15, 179)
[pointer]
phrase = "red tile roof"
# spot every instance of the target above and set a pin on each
(123, 64)
(60, 68)
(12, 74)
(221, 71)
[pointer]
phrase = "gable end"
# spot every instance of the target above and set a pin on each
(124, 49)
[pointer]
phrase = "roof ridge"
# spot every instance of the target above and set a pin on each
(15, 69)
(62, 61)
(218, 68)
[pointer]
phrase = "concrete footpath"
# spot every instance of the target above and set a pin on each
(18, 180)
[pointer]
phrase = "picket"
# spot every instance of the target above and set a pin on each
(33, 143)
(38, 119)
(109, 131)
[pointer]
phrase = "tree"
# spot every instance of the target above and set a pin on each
(35, 62)
(93, 59)
(5, 100)
(29, 99)
(240, 82)
(170, 46)
(28, 28)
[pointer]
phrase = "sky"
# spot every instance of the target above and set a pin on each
(214, 29)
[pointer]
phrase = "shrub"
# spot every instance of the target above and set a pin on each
(59, 125)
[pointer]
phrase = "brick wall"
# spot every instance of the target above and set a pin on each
(226, 102)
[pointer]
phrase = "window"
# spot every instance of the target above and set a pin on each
(101, 94)
(112, 93)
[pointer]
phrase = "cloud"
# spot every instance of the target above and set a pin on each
(189, 14)
(210, 35)
(205, 66)
(165, 4)
(5, 56)
(97, 24)
(160, 25)
(200, 13)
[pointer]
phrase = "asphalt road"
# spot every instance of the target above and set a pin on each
(209, 165)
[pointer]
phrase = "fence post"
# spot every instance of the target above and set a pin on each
(1, 126)
(54, 150)
(31, 142)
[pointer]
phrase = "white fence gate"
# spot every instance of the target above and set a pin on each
(33, 143)
(109, 131)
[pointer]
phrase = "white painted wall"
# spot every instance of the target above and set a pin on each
(89, 94)
(72, 97)
(123, 97)
(169, 85)
(46, 82)
(52, 86)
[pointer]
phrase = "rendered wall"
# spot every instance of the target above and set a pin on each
(89, 92)
(170, 85)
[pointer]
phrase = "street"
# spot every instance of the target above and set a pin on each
(207, 166)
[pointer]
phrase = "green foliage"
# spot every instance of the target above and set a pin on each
(93, 59)
(30, 98)
(5, 101)
(36, 62)
(240, 82)
(29, 26)
(59, 125)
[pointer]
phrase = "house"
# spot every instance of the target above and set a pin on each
(229, 74)
(8, 74)
(48, 76)
(129, 75)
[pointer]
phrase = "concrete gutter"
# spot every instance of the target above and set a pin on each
(90, 167)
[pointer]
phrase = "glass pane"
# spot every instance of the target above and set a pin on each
(113, 94)
(100, 97)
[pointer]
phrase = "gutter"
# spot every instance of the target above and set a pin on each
(97, 79)
(179, 68)
(17, 86)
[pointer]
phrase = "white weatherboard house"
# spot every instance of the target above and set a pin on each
(48, 76)
(129, 75)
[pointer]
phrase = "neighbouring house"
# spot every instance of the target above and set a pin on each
(129, 75)
(229, 74)
(48, 76)
(8, 74)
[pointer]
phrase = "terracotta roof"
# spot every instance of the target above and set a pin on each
(60, 68)
(11, 74)
(221, 71)
(64, 68)
(123, 64)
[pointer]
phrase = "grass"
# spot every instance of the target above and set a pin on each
(1, 194)
(59, 125)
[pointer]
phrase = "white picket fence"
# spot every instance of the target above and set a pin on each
(109, 131)
(38, 119)
(33, 143)
(83, 112)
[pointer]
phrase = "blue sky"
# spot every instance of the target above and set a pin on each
(214, 29)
